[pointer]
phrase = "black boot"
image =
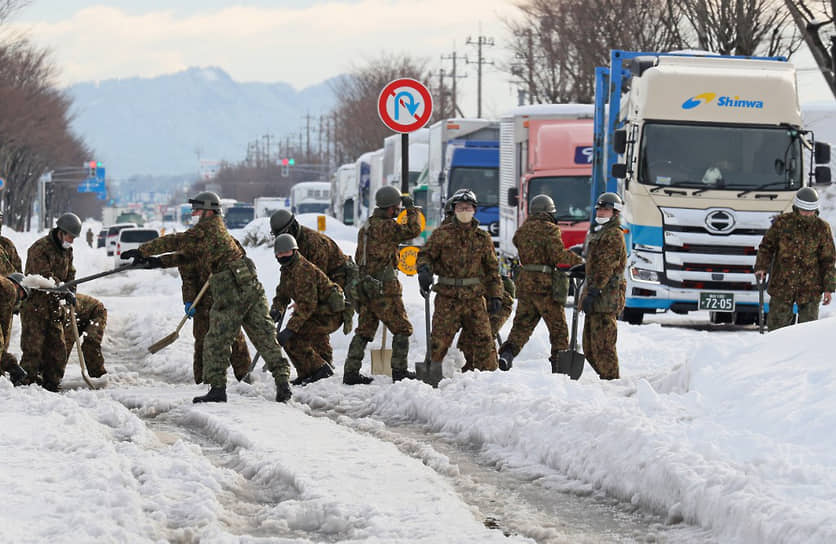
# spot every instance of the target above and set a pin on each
(355, 378)
(215, 394)
(322, 372)
(283, 392)
(399, 374)
(17, 375)
(506, 359)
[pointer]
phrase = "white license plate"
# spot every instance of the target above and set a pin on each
(717, 302)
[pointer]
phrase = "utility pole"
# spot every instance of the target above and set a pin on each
(267, 138)
(337, 151)
(454, 76)
(319, 145)
(307, 119)
(479, 43)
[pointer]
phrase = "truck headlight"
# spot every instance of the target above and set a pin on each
(642, 274)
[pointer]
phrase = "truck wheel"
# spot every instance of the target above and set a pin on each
(633, 316)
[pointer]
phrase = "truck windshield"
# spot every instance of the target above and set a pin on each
(570, 195)
(312, 207)
(482, 181)
(237, 217)
(720, 156)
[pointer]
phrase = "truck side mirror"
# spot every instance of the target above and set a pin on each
(619, 141)
(822, 153)
(822, 175)
(513, 196)
(619, 170)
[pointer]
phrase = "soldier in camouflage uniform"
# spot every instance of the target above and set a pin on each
(318, 310)
(12, 293)
(463, 257)
(798, 253)
(604, 290)
(9, 263)
(322, 252)
(91, 320)
(238, 297)
(42, 316)
(543, 287)
(190, 274)
(379, 292)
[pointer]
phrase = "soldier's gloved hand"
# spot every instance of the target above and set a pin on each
(275, 315)
(577, 270)
(187, 307)
(69, 297)
(132, 254)
(407, 201)
(592, 295)
(425, 279)
(151, 262)
(494, 305)
(285, 336)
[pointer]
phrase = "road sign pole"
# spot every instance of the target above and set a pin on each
(405, 163)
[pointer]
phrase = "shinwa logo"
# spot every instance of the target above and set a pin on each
(723, 101)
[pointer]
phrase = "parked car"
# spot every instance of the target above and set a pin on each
(132, 238)
(113, 233)
(102, 238)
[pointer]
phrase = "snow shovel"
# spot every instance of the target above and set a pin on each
(74, 328)
(428, 372)
(122, 268)
(570, 361)
(382, 358)
(168, 340)
(761, 287)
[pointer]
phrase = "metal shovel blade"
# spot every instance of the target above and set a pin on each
(569, 362)
(164, 342)
(429, 373)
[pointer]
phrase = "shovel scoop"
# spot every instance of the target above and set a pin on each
(427, 371)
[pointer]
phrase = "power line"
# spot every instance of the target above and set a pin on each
(481, 41)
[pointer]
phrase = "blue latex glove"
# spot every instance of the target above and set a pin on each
(189, 310)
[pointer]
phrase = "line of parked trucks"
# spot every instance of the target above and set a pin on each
(704, 149)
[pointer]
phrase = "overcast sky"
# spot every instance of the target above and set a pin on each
(300, 42)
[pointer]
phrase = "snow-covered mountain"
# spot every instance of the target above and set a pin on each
(156, 125)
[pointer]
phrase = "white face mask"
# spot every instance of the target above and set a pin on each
(602, 220)
(464, 217)
(66, 245)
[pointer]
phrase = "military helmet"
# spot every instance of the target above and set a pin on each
(17, 278)
(806, 199)
(387, 196)
(610, 200)
(280, 222)
(542, 203)
(70, 223)
(207, 200)
(284, 243)
(463, 195)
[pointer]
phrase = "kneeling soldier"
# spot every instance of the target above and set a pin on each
(318, 311)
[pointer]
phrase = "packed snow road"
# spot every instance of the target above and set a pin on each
(709, 436)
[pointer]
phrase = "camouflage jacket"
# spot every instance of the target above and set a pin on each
(309, 288)
(801, 254)
(208, 245)
(538, 241)
(323, 252)
(8, 302)
(379, 239)
(459, 251)
(606, 257)
(9, 259)
(47, 258)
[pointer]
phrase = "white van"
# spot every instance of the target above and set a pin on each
(113, 234)
(132, 238)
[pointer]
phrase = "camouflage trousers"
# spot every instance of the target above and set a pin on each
(7, 360)
(239, 301)
(465, 342)
(471, 316)
(781, 315)
(530, 309)
(42, 340)
(600, 332)
(310, 348)
(387, 308)
(91, 320)
(240, 357)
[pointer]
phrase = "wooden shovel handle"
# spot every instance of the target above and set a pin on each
(196, 300)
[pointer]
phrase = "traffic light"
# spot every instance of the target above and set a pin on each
(291, 162)
(91, 165)
(287, 162)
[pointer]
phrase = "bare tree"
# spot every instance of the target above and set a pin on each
(814, 20)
